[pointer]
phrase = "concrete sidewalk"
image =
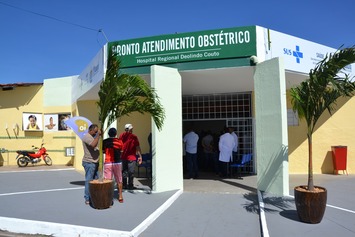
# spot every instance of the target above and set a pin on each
(50, 201)
(339, 217)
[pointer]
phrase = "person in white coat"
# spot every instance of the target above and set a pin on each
(235, 149)
(225, 145)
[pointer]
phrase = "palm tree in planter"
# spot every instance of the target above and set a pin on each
(120, 95)
(326, 83)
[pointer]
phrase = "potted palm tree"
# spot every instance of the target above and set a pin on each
(326, 83)
(119, 95)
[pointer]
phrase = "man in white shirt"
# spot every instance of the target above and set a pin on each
(225, 145)
(190, 140)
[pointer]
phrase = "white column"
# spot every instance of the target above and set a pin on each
(167, 144)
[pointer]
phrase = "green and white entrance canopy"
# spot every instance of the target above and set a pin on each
(212, 61)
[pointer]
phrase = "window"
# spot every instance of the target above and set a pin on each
(292, 118)
(204, 107)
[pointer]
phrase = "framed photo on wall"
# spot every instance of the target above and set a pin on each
(61, 118)
(32, 122)
(51, 122)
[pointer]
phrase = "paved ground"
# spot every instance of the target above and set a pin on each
(50, 202)
(42, 200)
(339, 217)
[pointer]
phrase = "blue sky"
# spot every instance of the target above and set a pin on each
(36, 47)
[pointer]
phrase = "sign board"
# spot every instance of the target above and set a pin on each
(300, 55)
(186, 47)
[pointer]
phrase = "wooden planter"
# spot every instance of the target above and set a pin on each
(310, 205)
(101, 193)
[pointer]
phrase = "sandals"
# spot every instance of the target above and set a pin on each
(120, 200)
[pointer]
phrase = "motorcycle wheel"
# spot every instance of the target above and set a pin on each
(22, 161)
(48, 160)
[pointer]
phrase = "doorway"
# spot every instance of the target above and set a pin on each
(212, 114)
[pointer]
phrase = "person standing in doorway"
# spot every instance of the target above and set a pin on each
(150, 144)
(190, 140)
(112, 148)
(131, 149)
(235, 149)
(207, 145)
(225, 145)
(91, 157)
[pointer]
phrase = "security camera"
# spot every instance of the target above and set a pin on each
(254, 59)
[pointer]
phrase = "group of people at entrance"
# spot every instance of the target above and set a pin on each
(227, 146)
(120, 158)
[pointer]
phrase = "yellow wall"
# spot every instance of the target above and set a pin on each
(141, 127)
(330, 131)
(29, 99)
(87, 109)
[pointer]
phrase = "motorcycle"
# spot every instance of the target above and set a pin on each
(25, 157)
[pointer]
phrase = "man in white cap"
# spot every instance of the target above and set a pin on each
(131, 149)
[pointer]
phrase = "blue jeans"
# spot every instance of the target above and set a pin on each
(91, 173)
(192, 164)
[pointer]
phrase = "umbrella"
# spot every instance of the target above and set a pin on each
(80, 125)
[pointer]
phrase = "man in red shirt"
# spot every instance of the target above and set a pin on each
(131, 150)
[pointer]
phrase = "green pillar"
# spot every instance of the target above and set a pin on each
(167, 143)
(271, 144)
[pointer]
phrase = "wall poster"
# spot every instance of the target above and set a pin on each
(51, 122)
(32, 122)
(63, 117)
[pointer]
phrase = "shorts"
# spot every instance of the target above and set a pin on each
(113, 169)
